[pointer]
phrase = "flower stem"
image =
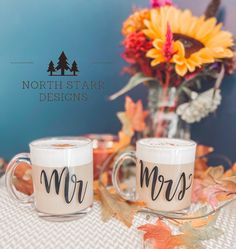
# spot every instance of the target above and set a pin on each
(159, 129)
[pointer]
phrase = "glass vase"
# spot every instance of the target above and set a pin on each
(163, 119)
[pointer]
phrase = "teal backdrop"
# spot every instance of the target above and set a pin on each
(35, 32)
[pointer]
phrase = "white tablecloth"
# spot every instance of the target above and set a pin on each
(21, 228)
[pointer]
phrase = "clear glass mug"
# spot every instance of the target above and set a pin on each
(62, 174)
(164, 173)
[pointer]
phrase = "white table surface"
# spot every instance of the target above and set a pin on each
(20, 227)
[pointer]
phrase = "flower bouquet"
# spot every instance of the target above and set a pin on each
(182, 59)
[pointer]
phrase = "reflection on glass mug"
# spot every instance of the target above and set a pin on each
(62, 173)
(164, 173)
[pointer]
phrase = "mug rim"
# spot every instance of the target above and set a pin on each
(34, 143)
(185, 144)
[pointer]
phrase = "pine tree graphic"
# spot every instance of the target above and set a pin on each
(62, 64)
(51, 68)
(74, 68)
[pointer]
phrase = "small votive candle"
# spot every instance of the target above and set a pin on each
(103, 147)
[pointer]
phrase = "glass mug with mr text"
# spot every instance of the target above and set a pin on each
(62, 174)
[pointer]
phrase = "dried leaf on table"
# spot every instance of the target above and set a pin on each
(113, 206)
(160, 235)
(102, 179)
(162, 238)
(214, 186)
(200, 234)
(197, 223)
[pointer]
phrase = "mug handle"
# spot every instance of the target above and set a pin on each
(129, 196)
(22, 157)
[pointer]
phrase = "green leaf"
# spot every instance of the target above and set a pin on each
(134, 81)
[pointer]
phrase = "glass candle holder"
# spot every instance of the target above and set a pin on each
(103, 147)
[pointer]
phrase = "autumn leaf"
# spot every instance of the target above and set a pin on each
(200, 234)
(197, 223)
(200, 167)
(113, 206)
(214, 174)
(124, 141)
(203, 150)
(231, 171)
(133, 119)
(23, 178)
(126, 124)
(161, 237)
(22, 170)
(201, 162)
(214, 186)
(22, 186)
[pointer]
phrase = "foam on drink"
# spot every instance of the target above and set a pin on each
(58, 152)
(166, 151)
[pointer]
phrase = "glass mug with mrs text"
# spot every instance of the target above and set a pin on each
(164, 173)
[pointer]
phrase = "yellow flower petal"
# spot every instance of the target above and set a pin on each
(181, 69)
(157, 61)
(158, 43)
(179, 48)
(198, 40)
(206, 28)
(153, 53)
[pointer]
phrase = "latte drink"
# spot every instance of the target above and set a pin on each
(164, 173)
(62, 172)
(62, 175)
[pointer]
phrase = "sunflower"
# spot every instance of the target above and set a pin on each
(196, 40)
(135, 22)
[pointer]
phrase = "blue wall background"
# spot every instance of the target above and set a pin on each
(89, 31)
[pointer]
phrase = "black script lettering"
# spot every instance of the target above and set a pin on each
(69, 179)
(190, 177)
(145, 175)
(151, 178)
(181, 194)
(80, 192)
(56, 177)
